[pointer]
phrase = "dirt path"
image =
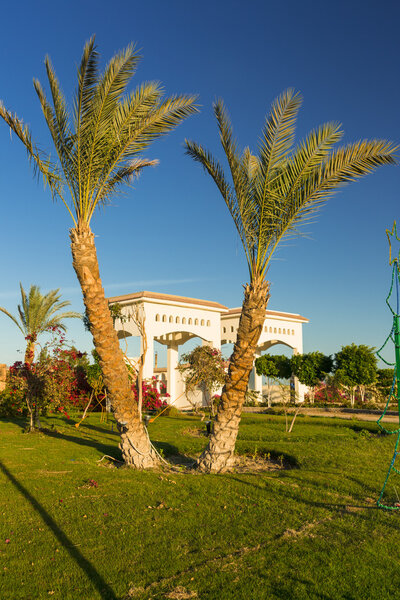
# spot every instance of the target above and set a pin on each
(340, 413)
(343, 414)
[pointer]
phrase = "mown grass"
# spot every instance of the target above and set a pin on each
(78, 529)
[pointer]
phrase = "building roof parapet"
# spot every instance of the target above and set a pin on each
(273, 314)
(169, 299)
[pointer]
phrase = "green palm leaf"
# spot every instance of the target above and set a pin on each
(273, 194)
(38, 312)
(110, 129)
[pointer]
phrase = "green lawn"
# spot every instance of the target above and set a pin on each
(80, 530)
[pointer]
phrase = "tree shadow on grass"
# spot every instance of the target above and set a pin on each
(173, 455)
(104, 590)
(103, 430)
(297, 498)
(168, 451)
(20, 422)
(109, 449)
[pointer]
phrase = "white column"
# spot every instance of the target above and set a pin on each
(255, 382)
(172, 363)
(148, 367)
(299, 388)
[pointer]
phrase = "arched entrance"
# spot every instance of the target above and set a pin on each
(173, 320)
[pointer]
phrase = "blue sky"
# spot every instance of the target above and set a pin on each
(172, 232)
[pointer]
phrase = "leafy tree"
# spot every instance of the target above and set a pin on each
(355, 367)
(97, 151)
(50, 383)
(38, 314)
(384, 382)
(273, 367)
(268, 196)
(310, 369)
(203, 368)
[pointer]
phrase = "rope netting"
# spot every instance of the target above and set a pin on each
(389, 497)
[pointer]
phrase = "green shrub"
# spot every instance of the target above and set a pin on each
(11, 405)
(171, 411)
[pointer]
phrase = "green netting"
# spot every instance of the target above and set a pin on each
(387, 500)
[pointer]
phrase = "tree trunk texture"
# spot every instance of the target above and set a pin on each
(30, 350)
(135, 445)
(218, 457)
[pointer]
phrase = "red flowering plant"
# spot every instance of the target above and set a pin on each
(154, 394)
(328, 393)
(49, 384)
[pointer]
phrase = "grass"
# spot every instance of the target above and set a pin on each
(78, 529)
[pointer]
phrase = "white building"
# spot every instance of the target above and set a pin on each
(173, 320)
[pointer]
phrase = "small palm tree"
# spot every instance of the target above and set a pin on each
(269, 196)
(39, 313)
(97, 151)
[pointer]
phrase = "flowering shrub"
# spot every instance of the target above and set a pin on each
(328, 394)
(11, 405)
(49, 384)
(154, 393)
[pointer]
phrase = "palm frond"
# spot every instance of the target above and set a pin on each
(278, 133)
(38, 312)
(343, 166)
(281, 189)
(14, 319)
(236, 209)
(41, 163)
(137, 136)
(110, 129)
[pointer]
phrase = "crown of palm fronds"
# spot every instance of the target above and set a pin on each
(38, 312)
(99, 146)
(273, 193)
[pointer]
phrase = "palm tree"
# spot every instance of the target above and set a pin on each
(39, 313)
(269, 196)
(95, 155)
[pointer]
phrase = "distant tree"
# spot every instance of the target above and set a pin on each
(284, 366)
(310, 369)
(39, 313)
(355, 367)
(273, 367)
(384, 382)
(203, 368)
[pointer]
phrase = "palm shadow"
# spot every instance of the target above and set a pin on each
(173, 455)
(110, 449)
(105, 591)
(113, 431)
(170, 452)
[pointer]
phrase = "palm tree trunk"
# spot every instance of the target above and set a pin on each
(30, 350)
(135, 445)
(219, 454)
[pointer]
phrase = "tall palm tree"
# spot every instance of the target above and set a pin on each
(95, 155)
(37, 314)
(269, 195)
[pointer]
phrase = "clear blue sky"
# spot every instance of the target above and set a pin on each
(172, 233)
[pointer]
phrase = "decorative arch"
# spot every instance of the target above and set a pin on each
(268, 344)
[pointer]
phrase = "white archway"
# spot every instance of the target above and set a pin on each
(173, 320)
